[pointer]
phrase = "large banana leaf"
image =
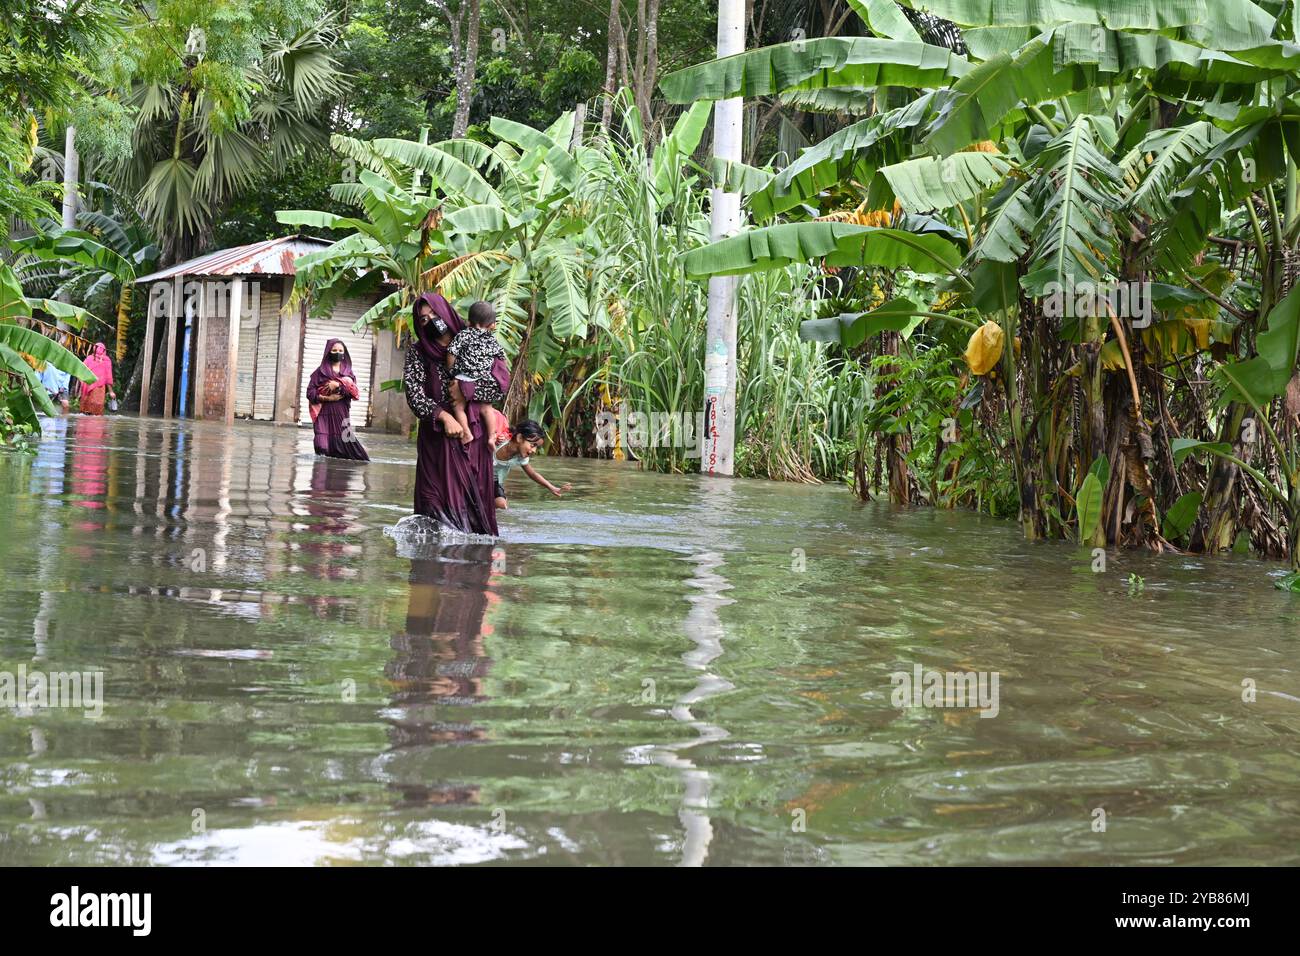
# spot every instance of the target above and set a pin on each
(328, 220)
(1074, 239)
(1115, 52)
(521, 135)
(71, 245)
(1264, 377)
(13, 362)
(851, 153)
(853, 328)
(1069, 59)
(12, 301)
(478, 219)
(885, 19)
(1172, 152)
(1179, 238)
(840, 244)
(470, 151)
(43, 349)
(1216, 24)
(564, 289)
(931, 183)
(992, 90)
(451, 174)
(73, 315)
(734, 177)
(816, 64)
(1008, 225)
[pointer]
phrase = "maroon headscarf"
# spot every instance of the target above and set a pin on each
(326, 371)
(427, 333)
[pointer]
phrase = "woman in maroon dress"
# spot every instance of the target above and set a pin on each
(453, 482)
(330, 392)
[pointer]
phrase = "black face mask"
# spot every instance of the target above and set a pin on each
(336, 356)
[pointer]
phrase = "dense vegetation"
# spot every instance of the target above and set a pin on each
(1041, 266)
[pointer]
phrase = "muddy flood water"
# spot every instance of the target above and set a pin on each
(652, 670)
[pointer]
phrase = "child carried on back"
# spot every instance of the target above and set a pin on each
(471, 356)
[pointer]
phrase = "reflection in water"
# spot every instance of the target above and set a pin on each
(703, 626)
(229, 583)
(440, 659)
(89, 471)
(337, 490)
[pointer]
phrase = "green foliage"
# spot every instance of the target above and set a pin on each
(1055, 147)
(222, 93)
(1088, 506)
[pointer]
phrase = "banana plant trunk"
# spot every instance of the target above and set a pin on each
(517, 397)
(898, 444)
(1220, 504)
(1094, 422)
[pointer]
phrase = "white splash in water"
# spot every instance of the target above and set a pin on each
(415, 534)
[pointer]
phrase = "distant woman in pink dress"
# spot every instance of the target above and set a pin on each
(330, 392)
(101, 366)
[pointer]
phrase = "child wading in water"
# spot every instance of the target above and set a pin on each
(470, 356)
(524, 441)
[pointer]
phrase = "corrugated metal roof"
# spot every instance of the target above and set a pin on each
(274, 257)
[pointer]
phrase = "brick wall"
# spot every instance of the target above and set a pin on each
(214, 374)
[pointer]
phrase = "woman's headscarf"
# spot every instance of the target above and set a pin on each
(100, 366)
(326, 371)
(427, 334)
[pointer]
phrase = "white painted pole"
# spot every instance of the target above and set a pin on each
(70, 164)
(235, 309)
(720, 340)
(70, 173)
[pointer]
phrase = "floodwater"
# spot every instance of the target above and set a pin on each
(651, 670)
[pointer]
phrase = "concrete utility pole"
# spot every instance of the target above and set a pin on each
(70, 178)
(69, 197)
(720, 341)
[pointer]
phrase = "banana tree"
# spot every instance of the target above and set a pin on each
(23, 350)
(501, 222)
(1047, 147)
(103, 257)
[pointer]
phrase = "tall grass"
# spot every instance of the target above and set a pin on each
(799, 413)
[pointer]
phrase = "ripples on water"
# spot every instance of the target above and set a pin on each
(635, 673)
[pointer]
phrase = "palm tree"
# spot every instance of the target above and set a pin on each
(217, 105)
(499, 221)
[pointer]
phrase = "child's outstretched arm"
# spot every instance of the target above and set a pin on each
(534, 474)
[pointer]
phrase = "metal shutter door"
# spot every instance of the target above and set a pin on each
(246, 362)
(268, 355)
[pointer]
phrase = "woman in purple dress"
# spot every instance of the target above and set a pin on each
(453, 482)
(330, 392)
